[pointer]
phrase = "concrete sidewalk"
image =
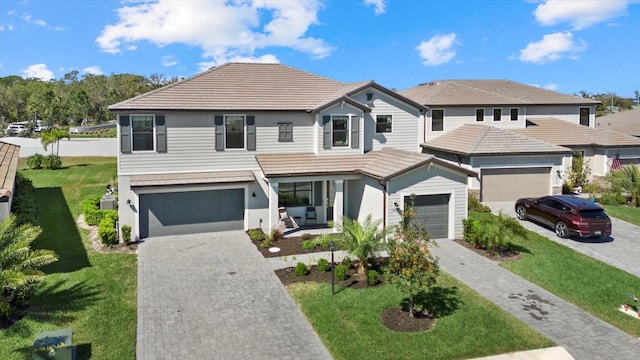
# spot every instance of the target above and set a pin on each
(73, 147)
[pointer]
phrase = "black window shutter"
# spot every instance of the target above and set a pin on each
(251, 133)
(161, 134)
(326, 123)
(125, 134)
(219, 122)
(355, 132)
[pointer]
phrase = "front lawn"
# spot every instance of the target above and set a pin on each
(467, 325)
(626, 213)
(92, 293)
(581, 280)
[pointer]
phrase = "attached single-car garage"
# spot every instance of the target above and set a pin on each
(190, 212)
(513, 183)
(432, 211)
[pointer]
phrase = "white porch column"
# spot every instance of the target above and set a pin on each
(338, 204)
(273, 206)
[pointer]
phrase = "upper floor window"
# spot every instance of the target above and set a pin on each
(514, 114)
(479, 114)
(383, 124)
(437, 120)
(497, 114)
(142, 132)
(285, 132)
(234, 131)
(584, 116)
(340, 130)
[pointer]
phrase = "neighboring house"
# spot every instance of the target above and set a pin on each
(226, 148)
(627, 122)
(519, 138)
(9, 156)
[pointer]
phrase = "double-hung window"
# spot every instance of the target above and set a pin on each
(294, 194)
(437, 120)
(340, 130)
(142, 132)
(234, 131)
(383, 124)
(584, 116)
(479, 114)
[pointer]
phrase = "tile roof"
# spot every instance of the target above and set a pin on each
(488, 93)
(9, 156)
(473, 139)
(627, 122)
(192, 178)
(564, 133)
(382, 165)
(251, 86)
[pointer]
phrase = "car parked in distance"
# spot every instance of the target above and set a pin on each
(569, 216)
(40, 128)
(14, 129)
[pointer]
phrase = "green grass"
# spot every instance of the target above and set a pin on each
(467, 324)
(105, 133)
(92, 293)
(585, 282)
(626, 213)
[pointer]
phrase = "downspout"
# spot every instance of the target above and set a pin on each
(384, 204)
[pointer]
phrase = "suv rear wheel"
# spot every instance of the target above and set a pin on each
(562, 230)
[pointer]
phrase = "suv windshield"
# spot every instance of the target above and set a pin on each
(593, 214)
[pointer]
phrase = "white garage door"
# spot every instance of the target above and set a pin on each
(191, 212)
(515, 183)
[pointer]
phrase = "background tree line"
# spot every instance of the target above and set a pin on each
(612, 103)
(71, 99)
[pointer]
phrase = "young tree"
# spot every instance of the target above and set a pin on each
(411, 267)
(53, 136)
(360, 240)
(578, 172)
(626, 179)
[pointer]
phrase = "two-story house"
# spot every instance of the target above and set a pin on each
(520, 139)
(226, 149)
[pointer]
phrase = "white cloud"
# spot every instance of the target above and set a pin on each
(551, 86)
(26, 17)
(379, 6)
(169, 60)
(38, 71)
(552, 47)
(579, 14)
(437, 50)
(93, 70)
(224, 30)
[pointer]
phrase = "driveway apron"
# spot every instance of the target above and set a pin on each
(583, 335)
(213, 296)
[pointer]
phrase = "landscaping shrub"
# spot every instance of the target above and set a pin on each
(126, 234)
(567, 188)
(341, 272)
(612, 198)
(301, 269)
(492, 232)
(24, 202)
(276, 235)
(323, 265)
(107, 230)
(308, 245)
(52, 162)
(266, 243)
(306, 236)
(35, 161)
(372, 277)
(346, 261)
(91, 210)
(256, 234)
(475, 205)
(470, 230)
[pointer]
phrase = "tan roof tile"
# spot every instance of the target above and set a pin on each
(9, 156)
(487, 93)
(564, 133)
(627, 122)
(472, 139)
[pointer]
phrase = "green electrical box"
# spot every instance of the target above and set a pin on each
(54, 345)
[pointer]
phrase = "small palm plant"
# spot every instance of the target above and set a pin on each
(360, 240)
(19, 263)
(626, 179)
(53, 136)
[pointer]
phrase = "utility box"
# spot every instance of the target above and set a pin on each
(54, 345)
(108, 202)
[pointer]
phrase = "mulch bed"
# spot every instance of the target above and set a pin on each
(288, 246)
(502, 255)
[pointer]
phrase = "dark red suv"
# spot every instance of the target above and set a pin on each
(569, 216)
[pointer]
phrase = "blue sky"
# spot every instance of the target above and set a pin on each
(567, 46)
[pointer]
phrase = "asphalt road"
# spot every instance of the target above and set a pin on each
(73, 147)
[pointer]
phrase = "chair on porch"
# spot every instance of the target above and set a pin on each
(310, 215)
(286, 220)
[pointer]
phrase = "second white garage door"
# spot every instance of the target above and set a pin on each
(515, 183)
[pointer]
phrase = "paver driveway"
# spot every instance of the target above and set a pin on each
(212, 296)
(621, 250)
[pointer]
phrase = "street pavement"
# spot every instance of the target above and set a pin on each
(73, 147)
